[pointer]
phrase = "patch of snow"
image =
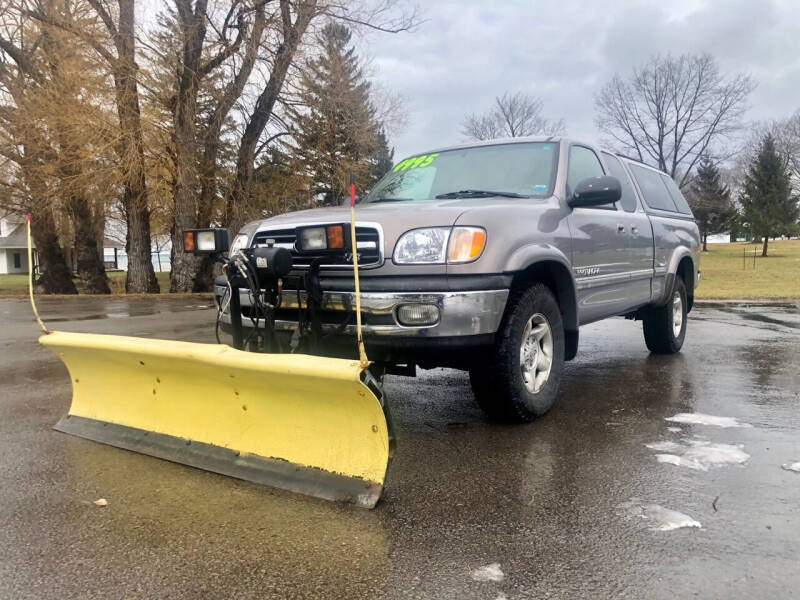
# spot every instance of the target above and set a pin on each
(674, 429)
(699, 455)
(665, 446)
(663, 519)
(490, 572)
(701, 419)
(795, 466)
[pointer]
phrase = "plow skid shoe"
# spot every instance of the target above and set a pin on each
(303, 423)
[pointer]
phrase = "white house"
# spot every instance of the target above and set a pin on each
(13, 245)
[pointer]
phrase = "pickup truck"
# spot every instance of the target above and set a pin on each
(489, 256)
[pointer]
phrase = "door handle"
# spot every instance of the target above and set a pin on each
(620, 228)
(635, 230)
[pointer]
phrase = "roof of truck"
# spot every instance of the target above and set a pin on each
(498, 141)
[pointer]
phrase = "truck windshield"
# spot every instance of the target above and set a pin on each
(523, 170)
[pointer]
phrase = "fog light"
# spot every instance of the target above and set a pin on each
(313, 238)
(415, 315)
(206, 241)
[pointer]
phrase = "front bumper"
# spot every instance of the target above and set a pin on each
(465, 313)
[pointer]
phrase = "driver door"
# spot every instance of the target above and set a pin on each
(600, 256)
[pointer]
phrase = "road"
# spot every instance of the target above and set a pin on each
(573, 505)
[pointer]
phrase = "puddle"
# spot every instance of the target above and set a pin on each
(699, 455)
(81, 318)
(762, 318)
(661, 519)
(702, 419)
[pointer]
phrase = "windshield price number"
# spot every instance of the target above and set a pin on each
(415, 162)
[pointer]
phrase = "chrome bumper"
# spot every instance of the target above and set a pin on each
(460, 313)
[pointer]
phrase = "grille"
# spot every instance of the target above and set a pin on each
(368, 242)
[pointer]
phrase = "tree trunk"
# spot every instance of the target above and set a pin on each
(55, 276)
(141, 278)
(89, 262)
(184, 136)
(91, 271)
(764, 247)
(237, 202)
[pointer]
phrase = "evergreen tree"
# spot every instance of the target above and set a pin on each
(382, 158)
(768, 205)
(711, 201)
(335, 131)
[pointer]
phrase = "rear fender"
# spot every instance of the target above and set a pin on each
(680, 253)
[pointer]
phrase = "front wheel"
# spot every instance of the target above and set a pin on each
(520, 380)
(665, 326)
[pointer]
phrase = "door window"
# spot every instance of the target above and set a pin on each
(615, 168)
(583, 163)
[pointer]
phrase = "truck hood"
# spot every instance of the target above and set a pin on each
(406, 215)
(398, 217)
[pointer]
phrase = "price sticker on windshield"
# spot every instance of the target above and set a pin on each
(415, 162)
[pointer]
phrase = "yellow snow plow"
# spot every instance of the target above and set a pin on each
(300, 422)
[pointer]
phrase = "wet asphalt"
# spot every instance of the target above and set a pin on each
(540, 500)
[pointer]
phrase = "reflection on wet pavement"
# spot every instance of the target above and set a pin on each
(544, 504)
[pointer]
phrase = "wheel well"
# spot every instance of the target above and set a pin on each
(557, 277)
(686, 272)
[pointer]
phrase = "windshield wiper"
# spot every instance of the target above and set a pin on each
(478, 194)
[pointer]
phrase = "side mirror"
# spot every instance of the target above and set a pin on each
(594, 191)
(205, 241)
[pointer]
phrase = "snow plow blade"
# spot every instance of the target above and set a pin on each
(303, 423)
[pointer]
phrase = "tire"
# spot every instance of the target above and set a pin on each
(663, 334)
(507, 389)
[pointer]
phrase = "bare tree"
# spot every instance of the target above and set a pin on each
(789, 142)
(24, 145)
(54, 130)
(109, 31)
(672, 111)
(513, 115)
(295, 19)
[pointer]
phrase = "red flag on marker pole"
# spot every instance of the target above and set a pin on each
(352, 190)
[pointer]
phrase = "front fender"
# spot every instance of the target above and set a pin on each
(529, 258)
(524, 256)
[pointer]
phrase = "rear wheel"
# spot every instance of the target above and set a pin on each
(520, 380)
(665, 326)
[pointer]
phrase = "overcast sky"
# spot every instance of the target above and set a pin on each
(467, 52)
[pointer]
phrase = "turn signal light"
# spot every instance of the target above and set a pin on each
(335, 237)
(466, 244)
(188, 242)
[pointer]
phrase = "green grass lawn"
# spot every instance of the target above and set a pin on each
(17, 285)
(725, 276)
(776, 276)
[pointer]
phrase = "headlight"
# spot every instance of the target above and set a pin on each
(239, 242)
(437, 245)
(422, 246)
